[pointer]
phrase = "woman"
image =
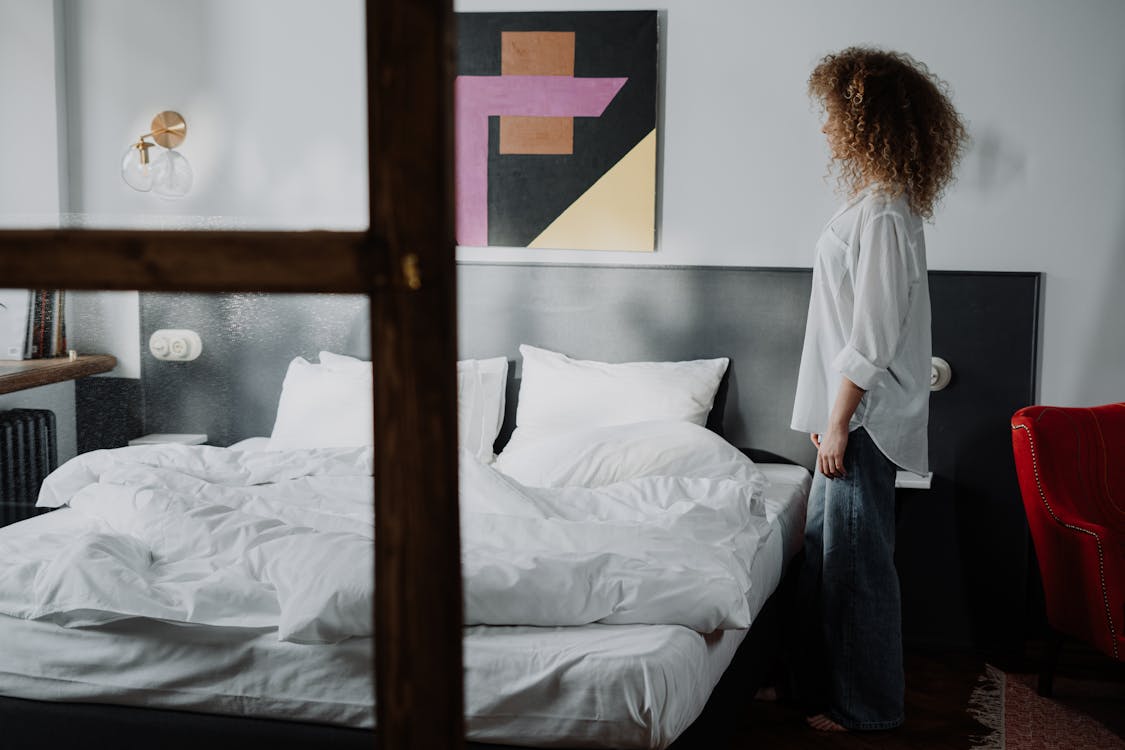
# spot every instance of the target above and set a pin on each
(863, 387)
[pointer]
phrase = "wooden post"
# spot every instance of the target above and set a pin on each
(414, 349)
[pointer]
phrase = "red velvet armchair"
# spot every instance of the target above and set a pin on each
(1071, 467)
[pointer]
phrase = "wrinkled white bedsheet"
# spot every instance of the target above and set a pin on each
(197, 534)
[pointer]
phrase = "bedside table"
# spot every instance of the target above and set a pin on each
(908, 480)
(158, 438)
(907, 483)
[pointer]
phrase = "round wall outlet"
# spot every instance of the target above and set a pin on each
(941, 374)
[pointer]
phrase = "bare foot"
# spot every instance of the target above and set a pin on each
(822, 723)
(767, 693)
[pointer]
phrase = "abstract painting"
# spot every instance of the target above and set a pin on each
(556, 130)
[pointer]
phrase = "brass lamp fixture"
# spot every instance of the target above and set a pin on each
(165, 172)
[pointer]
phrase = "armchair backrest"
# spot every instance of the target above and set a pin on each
(1076, 458)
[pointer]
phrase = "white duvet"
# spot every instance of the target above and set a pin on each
(283, 539)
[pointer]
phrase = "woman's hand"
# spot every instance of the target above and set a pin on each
(830, 446)
(830, 452)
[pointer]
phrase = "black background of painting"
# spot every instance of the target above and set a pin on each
(526, 192)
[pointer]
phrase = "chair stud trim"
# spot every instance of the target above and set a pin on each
(1097, 539)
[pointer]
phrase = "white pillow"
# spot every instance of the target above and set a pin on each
(480, 404)
(480, 401)
(559, 394)
(324, 407)
(606, 455)
(342, 362)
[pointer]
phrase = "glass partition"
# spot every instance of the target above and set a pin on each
(216, 473)
(211, 114)
(245, 115)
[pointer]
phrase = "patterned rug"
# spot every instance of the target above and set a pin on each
(1019, 719)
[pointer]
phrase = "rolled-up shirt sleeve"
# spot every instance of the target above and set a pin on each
(882, 298)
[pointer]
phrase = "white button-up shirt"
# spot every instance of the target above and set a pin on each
(869, 322)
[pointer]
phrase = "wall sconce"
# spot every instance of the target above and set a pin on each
(165, 172)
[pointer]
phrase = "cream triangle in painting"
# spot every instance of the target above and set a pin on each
(618, 212)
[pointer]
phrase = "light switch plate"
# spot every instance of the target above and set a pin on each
(175, 344)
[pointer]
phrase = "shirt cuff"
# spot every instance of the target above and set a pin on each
(857, 368)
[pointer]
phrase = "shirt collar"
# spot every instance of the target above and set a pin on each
(863, 193)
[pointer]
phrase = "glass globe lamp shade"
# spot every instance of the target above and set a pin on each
(172, 176)
(136, 167)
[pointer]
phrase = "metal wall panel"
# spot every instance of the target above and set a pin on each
(231, 391)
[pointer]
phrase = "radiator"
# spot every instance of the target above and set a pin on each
(28, 453)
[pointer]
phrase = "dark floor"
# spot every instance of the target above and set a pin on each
(937, 695)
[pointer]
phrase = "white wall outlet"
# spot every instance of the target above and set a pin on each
(175, 345)
(940, 374)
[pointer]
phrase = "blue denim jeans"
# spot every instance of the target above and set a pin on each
(848, 653)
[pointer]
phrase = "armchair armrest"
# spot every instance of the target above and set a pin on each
(1083, 572)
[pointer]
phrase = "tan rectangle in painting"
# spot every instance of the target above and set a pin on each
(537, 53)
(536, 135)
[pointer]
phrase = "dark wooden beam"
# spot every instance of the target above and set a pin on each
(413, 323)
(188, 261)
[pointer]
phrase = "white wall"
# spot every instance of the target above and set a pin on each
(1042, 84)
(31, 180)
(273, 92)
(107, 323)
(29, 134)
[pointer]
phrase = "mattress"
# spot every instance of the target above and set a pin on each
(595, 685)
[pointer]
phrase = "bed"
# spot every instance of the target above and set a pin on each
(598, 451)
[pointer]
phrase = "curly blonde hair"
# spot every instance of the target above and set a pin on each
(892, 123)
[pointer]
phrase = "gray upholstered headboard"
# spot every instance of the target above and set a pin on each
(755, 317)
(617, 314)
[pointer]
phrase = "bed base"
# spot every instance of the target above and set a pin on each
(33, 724)
(757, 662)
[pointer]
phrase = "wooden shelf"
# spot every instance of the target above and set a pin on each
(18, 375)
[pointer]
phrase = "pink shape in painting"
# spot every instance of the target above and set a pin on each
(476, 98)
